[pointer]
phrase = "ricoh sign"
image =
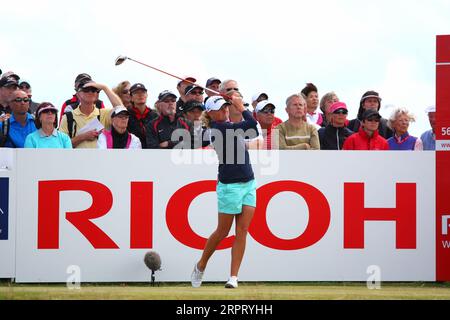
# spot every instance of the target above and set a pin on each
(321, 216)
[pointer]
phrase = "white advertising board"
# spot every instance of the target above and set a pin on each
(317, 228)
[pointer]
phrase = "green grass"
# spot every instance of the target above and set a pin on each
(216, 291)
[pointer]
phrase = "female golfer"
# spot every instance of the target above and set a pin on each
(236, 188)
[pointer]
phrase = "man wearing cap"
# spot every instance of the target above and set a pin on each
(333, 136)
(159, 131)
(26, 87)
(72, 104)
(140, 114)
(47, 136)
(8, 84)
(371, 100)
(265, 115)
(367, 137)
(258, 97)
(213, 84)
(118, 137)
(20, 124)
(181, 87)
(193, 92)
(296, 133)
(429, 137)
(87, 113)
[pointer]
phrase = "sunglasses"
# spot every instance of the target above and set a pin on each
(22, 100)
(272, 111)
(196, 93)
(375, 119)
(48, 111)
(341, 111)
(90, 89)
(125, 91)
(231, 89)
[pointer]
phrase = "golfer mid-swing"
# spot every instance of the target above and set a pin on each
(236, 187)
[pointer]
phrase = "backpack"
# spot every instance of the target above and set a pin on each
(72, 125)
(4, 135)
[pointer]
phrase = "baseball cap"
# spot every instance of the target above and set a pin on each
(24, 84)
(137, 86)
(189, 78)
(370, 94)
(262, 104)
(8, 81)
(192, 104)
(430, 109)
(257, 95)
(370, 113)
(214, 103)
(337, 106)
(165, 94)
(190, 88)
(119, 109)
(81, 80)
(210, 81)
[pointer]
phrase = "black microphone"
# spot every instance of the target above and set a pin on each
(153, 261)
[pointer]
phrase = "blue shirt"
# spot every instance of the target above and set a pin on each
(17, 133)
(57, 140)
(429, 140)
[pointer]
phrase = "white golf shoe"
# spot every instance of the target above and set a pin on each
(196, 277)
(232, 283)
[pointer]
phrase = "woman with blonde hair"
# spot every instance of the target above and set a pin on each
(123, 91)
(399, 122)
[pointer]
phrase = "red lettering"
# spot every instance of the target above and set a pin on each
(177, 215)
(319, 216)
(141, 228)
(48, 213)
(355, 214)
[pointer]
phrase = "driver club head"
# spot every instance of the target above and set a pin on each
(120, 60)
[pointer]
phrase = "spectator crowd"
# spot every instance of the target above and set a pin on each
(129, 121)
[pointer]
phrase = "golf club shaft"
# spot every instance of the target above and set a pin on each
(174, 76)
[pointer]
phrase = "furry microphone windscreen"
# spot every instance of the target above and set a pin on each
(152, 260)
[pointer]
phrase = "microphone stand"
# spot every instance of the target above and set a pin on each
(153, 278)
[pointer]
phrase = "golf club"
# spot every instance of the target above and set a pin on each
(121, 59)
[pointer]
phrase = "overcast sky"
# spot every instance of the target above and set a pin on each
(346, 46)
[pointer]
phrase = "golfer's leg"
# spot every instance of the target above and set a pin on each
(237, 252)
(223, 228)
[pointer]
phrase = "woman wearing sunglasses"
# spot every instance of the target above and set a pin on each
(123, 91)
(47, 136)
(367, 137)
(333, 136)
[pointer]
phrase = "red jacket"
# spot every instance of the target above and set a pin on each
(361, 141)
